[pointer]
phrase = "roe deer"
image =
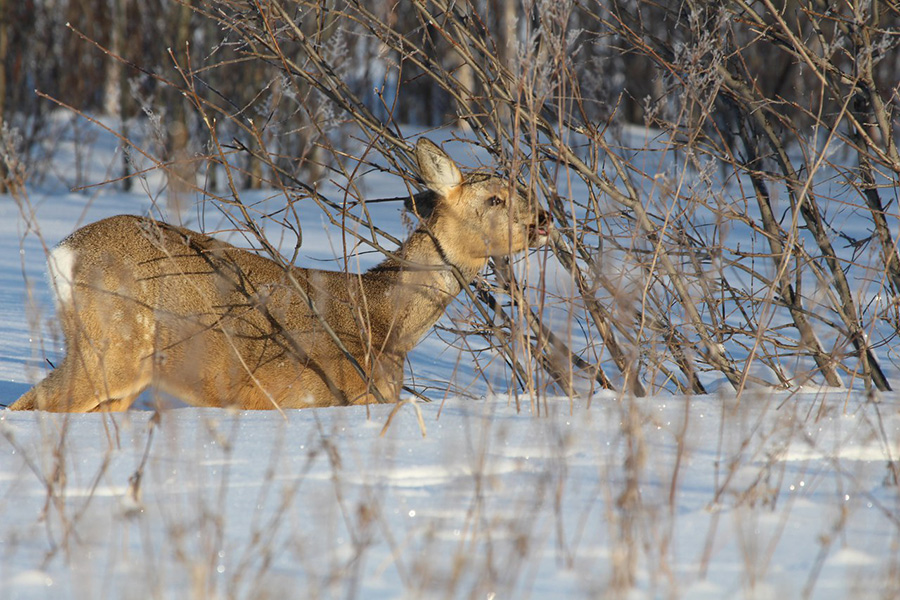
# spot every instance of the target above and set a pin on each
(145, 303)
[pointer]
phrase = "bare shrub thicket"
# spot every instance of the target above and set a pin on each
(744, 232)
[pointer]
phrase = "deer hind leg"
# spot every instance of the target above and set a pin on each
(74, 386)
(106, 337)
(63, 389)
(91, 375)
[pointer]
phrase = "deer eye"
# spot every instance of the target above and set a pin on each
(496, 201)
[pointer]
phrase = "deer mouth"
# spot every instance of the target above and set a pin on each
(539, 232)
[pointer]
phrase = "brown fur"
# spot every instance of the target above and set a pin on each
(146, 303)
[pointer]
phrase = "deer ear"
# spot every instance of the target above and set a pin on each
(437, 169)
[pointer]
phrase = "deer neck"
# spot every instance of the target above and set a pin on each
(417, 284)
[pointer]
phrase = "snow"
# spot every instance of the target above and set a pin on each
(773, 495)
(690, 497)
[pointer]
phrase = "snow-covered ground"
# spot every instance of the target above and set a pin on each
(777, 495)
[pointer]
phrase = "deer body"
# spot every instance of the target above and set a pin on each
(145, 303)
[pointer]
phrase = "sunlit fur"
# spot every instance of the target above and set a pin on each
(145, 303)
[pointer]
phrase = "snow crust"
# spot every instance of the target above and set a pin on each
(663, 497)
